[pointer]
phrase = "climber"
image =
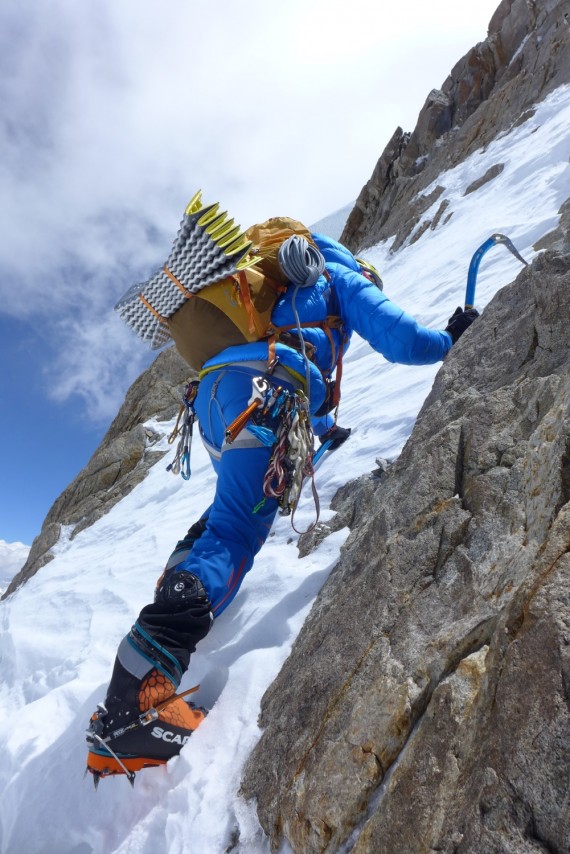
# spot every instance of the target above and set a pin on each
(143, 722)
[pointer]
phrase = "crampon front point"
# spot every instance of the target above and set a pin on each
(100, 763)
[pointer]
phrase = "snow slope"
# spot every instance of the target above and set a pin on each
(334, 223)
(59, 633)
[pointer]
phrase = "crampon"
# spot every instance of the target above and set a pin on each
(148, 739)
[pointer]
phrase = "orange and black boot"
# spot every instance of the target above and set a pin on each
(142, 722)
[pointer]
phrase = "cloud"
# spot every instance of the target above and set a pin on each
(12, 558)
(115, 113)
(87, 364)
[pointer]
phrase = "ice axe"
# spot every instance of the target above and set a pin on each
(476, 260)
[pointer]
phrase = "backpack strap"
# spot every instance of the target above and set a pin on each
(271, 354)
(152, 309)
(327, 325)
(256, 323)
(177, 282)
(336, 390)
(243, 291)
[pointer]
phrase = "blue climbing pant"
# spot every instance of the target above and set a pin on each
(240, 517)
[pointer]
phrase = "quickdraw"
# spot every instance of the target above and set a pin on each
(187, 415)
(278, 418)
(291, 460)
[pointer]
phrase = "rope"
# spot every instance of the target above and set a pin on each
(302, 263)
(302, 340)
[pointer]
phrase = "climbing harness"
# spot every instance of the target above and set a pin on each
(260, 390)
(280, 418)
(186, 415)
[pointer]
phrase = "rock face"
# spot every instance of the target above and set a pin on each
(493, 88)
(119, 463)
(426, 703)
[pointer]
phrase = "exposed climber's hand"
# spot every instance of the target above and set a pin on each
(459, 321)
(337, 434)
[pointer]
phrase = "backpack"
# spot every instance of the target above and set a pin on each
(218, 287)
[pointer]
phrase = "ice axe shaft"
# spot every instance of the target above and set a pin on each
(476, 260)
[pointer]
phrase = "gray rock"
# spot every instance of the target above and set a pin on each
(491, 90)
(559, 239)
(425, 704)
(491, 173)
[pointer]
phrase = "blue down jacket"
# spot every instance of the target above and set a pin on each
(362, 307)
(240, 518)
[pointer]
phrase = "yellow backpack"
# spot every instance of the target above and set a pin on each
(218, 287)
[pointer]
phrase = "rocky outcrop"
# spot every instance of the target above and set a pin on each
(425, 705)
(119, 463)
(492, 89)
(559, 239)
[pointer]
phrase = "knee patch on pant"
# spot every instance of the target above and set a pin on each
(180, 616)
(180, 589)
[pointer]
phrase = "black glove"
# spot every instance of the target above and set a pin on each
(459, 321)
(337, 434)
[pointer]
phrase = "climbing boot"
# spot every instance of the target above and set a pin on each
(143, 722)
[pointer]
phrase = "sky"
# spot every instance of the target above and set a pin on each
(53, 676)
(112, 115)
